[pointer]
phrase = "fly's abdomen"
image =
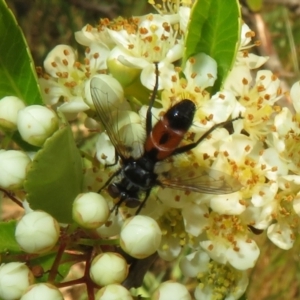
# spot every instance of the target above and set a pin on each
(169, 131)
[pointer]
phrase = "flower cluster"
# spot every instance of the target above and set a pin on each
(249, 167)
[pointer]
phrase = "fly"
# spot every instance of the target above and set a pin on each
(137, 175)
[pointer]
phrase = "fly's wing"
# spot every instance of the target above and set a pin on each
(200, 179)
(116, 121)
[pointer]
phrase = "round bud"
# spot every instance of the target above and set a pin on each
(15, 278)
(43, 291)
(36, 123)
(37, 232)
(104, 87)
(90, 210)
(140, 236)
(13, 165)
(9, 107)
(113, 292)
(171, 290)
(108, 268)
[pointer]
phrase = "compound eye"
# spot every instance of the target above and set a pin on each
(114, 190)
(132, 202)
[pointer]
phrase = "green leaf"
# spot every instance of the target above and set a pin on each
(214, 29)
(17, 74)
(54, 178)
(8, 242)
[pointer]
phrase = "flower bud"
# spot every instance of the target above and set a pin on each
(90, 210)
(171, 290)
(9, 107)
(13, 165)
(15, 278)
(43, 291)
(36, 123)
(108, 268)
(113, 292)
(107, 90)
(37, 232)
(140, 236)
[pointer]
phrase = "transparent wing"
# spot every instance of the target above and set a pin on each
(116, 120)
(201, 180)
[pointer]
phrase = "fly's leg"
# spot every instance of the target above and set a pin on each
(152, 99)
(118, 204)
(110, 179)
(188, 147)
(143, 203)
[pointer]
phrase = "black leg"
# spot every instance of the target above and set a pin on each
(115, 162)
(110, 179)
(152, 99)
(143, 203)
(203, 137)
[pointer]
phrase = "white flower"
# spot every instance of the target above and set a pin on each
(37, 232)
(36, 123)
(90, 210)
(216, 280)
(256, 100)
(193, 263)
(170, 247)
(105, 151)
(113, 292)
(140, 236)
(284, 141)
(171, 290)
(195, 220)
(152, 40)
(91, 35)
(13, 165)
(15, 277)
(294, 94)
(228, 242)
(282, 235)
(43, 291)
(112, 227)
(250, 60)
(9, 107)
(68, 77)
(108, 268)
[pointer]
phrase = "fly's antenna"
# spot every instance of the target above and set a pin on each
(152, 99)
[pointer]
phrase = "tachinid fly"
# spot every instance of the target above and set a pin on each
(136, 176)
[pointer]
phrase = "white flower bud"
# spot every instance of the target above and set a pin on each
(140, 236)
(36, 123)
(37, 232)
(90, 210)
(107, 88)
(13, 165)
(171, 290)
(43, 291)
(15, 278)
(108, 268)
(113, 292)
(9, 107)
